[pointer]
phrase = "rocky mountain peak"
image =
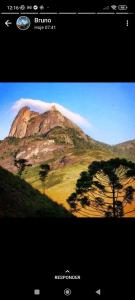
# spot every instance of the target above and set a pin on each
(28, 123)
(19, 125)
(53, 108)
(24, 108)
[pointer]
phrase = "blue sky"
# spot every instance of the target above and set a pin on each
(108, 107)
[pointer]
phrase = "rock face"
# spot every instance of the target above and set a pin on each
(28, 123)
(38, 138)
(20, 124)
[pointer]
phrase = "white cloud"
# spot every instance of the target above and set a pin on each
(42, 106)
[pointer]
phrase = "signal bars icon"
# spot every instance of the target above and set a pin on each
(106, 8)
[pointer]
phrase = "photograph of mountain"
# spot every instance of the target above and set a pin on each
(67, 150)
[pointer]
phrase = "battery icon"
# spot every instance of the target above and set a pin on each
(122, 7)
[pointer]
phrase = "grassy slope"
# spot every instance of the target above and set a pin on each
(61, 182)
(126, 150)
(19, 199)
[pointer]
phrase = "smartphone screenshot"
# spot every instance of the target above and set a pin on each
(67, 149)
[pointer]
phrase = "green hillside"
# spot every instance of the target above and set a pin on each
(125, 150)
(68, 155)
(61, 181)
(19, 199)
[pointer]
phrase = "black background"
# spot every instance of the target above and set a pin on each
(101, 250)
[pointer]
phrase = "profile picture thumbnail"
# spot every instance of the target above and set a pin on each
(23, 23)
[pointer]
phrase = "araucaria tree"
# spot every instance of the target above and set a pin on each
(106, 189)
(44, 170)
(21, 165)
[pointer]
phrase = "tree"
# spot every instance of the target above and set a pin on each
(105, 189)
(20, 164)
(44, 170)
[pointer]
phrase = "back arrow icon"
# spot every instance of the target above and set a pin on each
(98, 292)
(8, 23)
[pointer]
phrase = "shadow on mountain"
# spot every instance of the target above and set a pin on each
(19, 199)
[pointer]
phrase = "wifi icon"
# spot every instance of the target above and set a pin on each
(114, 7)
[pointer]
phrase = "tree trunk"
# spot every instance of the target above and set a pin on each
(114, 211)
